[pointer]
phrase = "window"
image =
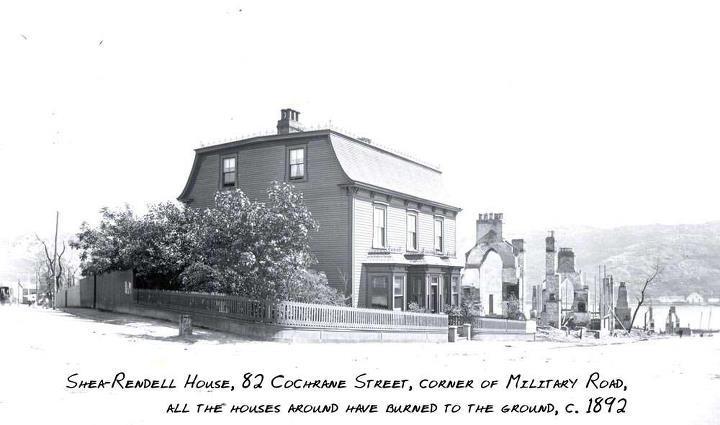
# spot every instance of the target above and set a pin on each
(455, 290)
(417, 291)
(379, 227)
(399, 292)
(379, 292)
(412, 232)
(228, 178)
(439, 240)
(296, 157)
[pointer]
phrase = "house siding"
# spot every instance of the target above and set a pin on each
(260, 164)
(206, 181)
(363, 202)
(362, 243)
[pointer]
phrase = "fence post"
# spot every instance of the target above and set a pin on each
(452, 333)
(185, 325)
(268, 312)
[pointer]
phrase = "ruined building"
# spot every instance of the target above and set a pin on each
(622, 310)
(495, 268)
(564, 299)
(649, 320)
(607, 304)
(672, 323)
(550, 309)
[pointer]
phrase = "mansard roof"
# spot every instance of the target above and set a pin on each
(372, 166)
(366, 165)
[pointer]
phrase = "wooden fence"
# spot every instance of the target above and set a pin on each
(505, 326)
(290, 313)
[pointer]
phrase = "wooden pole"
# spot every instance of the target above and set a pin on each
(55, 265)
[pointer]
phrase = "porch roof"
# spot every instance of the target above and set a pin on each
(412, 260)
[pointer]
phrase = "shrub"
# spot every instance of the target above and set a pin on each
(309, 286)
(469, 307)
(414, 307)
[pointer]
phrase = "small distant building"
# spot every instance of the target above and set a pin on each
(670, 299)
(694, 298)
(713, 300)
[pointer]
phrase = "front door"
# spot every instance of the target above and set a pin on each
(435, 293)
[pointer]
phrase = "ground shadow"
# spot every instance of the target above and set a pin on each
(121, 319)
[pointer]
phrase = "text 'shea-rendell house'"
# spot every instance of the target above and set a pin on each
(387, 234)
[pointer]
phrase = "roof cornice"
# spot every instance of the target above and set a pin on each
(310, 134)
(259, 139)
(401, 195)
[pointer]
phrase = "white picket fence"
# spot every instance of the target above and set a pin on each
(290, 313)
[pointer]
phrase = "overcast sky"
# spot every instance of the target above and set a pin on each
(555, 113)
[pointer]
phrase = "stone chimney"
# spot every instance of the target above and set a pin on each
(622, 296)
(489, 222)
(289, 122)
(550, 242)
(566, 261)
(550, 256)
(518, 245)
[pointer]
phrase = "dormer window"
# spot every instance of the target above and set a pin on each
(228, 172)
(296, 163)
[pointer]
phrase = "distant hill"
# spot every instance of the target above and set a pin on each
(17, 258)
(22, 256)
(689, 255)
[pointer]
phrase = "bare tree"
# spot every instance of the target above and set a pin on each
(346, 285)
(54, 263)
(657, 269)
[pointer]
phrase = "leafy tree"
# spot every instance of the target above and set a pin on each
(154, 245)
(259, 250)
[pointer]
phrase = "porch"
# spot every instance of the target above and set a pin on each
(405, 287)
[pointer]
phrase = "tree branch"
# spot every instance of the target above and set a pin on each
(50, 263)
(656, 271)
(59, 276)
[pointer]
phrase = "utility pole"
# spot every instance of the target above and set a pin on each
(55, 277)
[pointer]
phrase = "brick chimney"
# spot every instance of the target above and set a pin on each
(289, 122)
(488, 222)
(566, 261)
(550, 256)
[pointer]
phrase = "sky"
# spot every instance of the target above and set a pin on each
(555, 112)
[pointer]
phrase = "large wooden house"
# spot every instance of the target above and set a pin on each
(387, 233)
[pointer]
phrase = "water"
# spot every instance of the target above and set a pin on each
(690, 315)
